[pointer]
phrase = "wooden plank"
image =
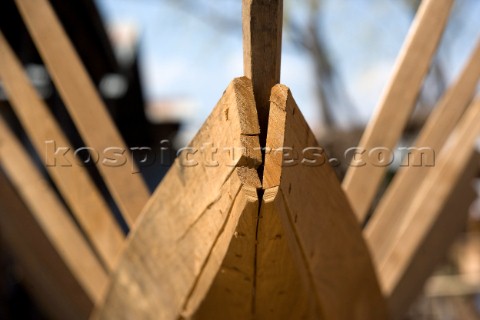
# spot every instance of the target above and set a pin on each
(62, 268)
(84, 104)
(232, 287)
(451, 222)
(179, 244)
(282, 288)
(397, 102)
(425, 212)
(262, 44)
(323, 229)
(389, 214)
(71, 179)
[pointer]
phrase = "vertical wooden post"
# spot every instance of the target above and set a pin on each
(262, 42)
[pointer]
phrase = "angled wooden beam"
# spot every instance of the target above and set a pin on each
(84, 104)
(71, 179)
(179, 244)
(262, 43)
(62, 269)
(390, 212)
(397, 102)
(321, 229)
(449, 224)
(406, 257)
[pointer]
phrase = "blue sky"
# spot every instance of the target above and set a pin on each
(187, 58)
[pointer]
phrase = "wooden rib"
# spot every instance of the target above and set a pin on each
(389, 214)
(282, 289)
(178, 246)
(322, 231)
(84, 104)
(449, 224)
(233, 286)
(60, 265)
(407, 255)
(262, 44)
(398, 100)
(72, 180)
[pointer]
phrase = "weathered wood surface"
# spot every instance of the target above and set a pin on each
(323, 234)
(71, 179)
(390, 212)
(233, 286)
(85, 106)
(262, 43)
(397, 102)
(283, 289)
(63, 272)
(177, 248)
(425, 217)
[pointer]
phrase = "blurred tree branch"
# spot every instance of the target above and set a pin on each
(305, 37)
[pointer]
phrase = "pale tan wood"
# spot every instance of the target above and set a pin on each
(230, 294)
(258, 278)
(450, 222)
(42, 233)
(73, 181)
(397, 101)
(233, 286)
(262, 44)
(323, 228)
(179, 244)
(389, 214)
(283, 289)
(84, 104)
(425, 211)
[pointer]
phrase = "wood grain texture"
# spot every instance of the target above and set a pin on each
(178, 246)
(230, 296)
(324, 231)
(449, 224)
(262, 43)
(390, 212)
(282, 286)
(61, 267)
(72, 181)
(397, 101)
(425, 211)
(84, 104)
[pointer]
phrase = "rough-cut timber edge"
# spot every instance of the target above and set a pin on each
(182, 237)
(450, 223)
(262, 22)
(72, 181)
(426, 217)
(84, 104)
(315, 228)
(60, 269)
(397, 102)
(390, 212)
